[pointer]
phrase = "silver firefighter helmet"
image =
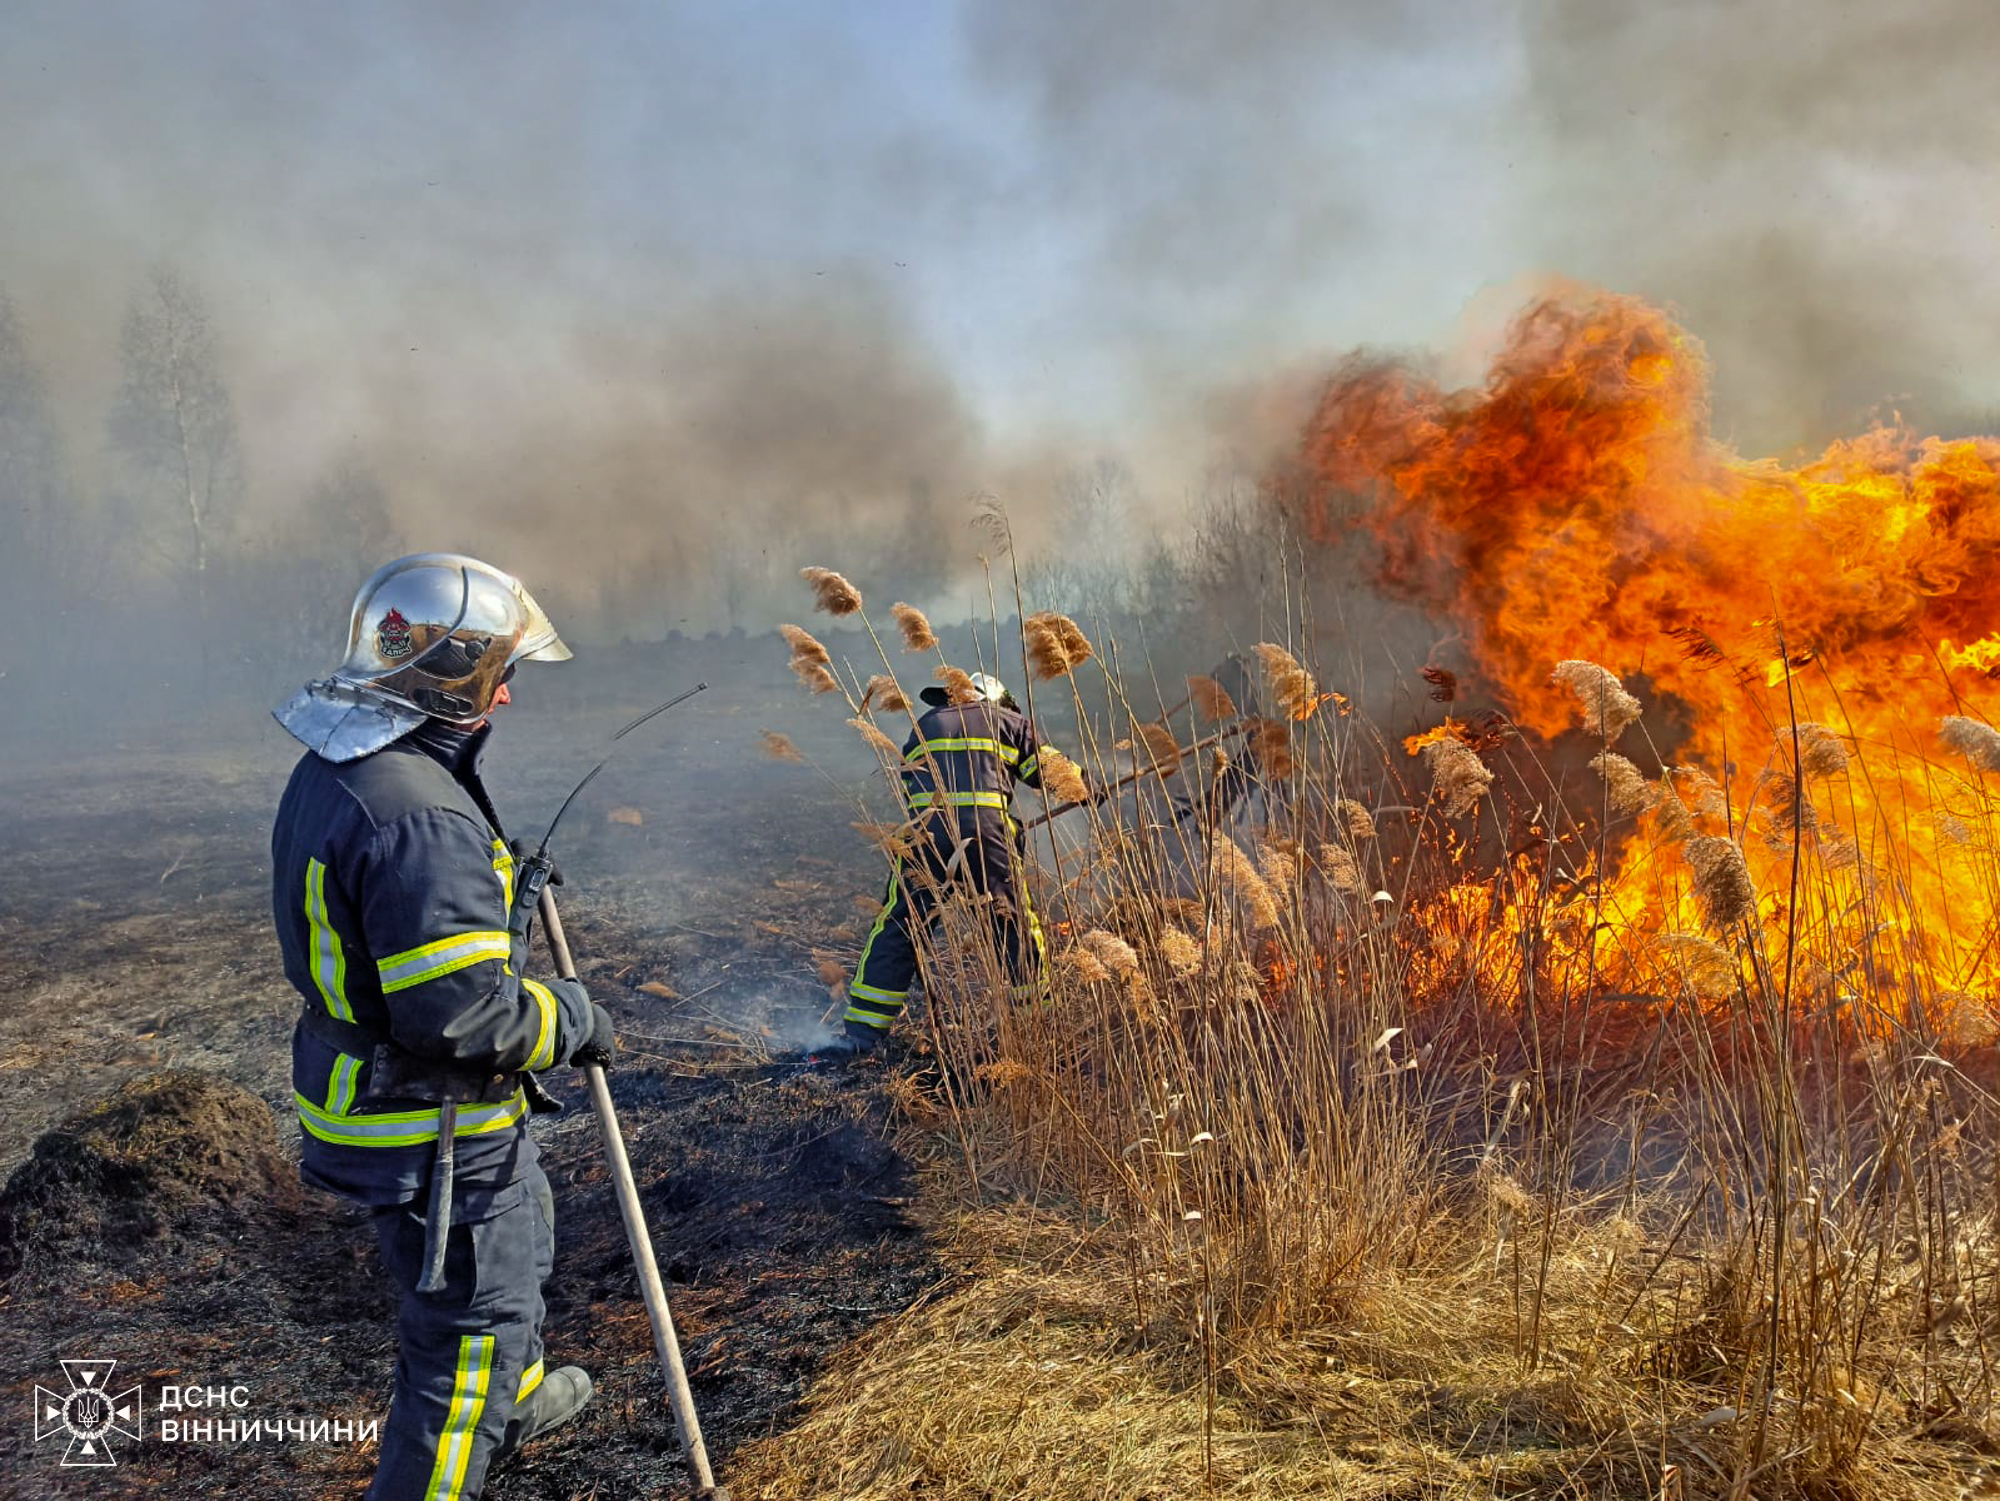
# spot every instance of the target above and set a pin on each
(989, 688)
(431, 636)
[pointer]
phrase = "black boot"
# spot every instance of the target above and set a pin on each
(560, 1397)
(854, 1041)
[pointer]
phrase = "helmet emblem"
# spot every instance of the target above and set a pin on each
(392, 636)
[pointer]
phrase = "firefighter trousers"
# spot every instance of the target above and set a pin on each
(470, 1351)
(989, 865)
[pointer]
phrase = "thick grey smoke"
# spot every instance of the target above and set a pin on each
(1809, 184)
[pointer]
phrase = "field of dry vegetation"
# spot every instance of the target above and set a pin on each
(1477, 1114)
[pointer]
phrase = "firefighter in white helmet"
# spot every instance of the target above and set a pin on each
(392, 886)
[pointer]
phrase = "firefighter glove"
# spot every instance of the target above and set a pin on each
(601, 1046)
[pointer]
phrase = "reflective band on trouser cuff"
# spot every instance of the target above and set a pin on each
(441, 956)
(530, 1379)
(921, 800)
(503, 867)
(329, 959)
(1006, 753)
(340, 1088)
(545, 1040)
(468, 1401)
(405, 1128)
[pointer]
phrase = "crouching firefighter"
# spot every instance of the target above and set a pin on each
(960, 767)
(413, 1062)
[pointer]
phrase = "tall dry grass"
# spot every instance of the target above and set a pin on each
(1380, 1081)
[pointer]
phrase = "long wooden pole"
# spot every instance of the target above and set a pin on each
(650, 1287)
(1137, 772)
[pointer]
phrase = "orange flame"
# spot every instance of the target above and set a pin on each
(1578, 507)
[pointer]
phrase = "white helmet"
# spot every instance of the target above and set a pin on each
(988, 687)
(431, 636)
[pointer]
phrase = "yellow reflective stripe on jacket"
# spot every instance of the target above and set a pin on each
(1006, 753)
(327, 957)
(530, 1379)
(440, 957)
(340, 1088)
(468, 1401)
(545, 1040)
(1033, 764)
(921, 800)
(405, 1128)
(503, 867)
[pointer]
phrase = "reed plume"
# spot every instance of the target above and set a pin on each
(893, 839)
(780, 748)
(1211, 700)
(1062, 778)
(1629, 790)
(1242, 881)
(1182, 953)
(882, 744)
(1607, 707)
(917, 632)
(1359, 821)
(831, 592)
(1055, 645)
(885, 693)
(1161, 748)
(817, 676)
(1978, 743)
(1271, 743)
(1702, 965)
(805, 647)
(1291, 685)
(1822, 752)
(1082, 963)
(1722, 886)
(958, 685)
(1458, 776)
(1341, 870)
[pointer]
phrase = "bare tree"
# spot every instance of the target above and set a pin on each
(38, 552)
(173, 427)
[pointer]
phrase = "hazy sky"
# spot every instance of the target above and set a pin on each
(659, 260)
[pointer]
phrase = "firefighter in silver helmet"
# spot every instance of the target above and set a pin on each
(392, 887)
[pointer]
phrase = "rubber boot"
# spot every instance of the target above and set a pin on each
(560, 1397)
(855, 1040)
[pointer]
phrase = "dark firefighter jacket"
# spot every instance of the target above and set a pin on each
(391, 889)
(968, 757)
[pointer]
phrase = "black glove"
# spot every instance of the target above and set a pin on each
(601, 1046)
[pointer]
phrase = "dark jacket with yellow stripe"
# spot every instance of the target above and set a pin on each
(969, 757)
(391, 889)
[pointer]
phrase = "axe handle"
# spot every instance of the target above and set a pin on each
(633, 1213)
(437, 1219)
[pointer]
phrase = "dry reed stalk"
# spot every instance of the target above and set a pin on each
(958, 685)
(1341, 869)
(1722, 885)
(916, 630)
(883, 745)
(1978, 743)
(816, 676)
(1630, 791)
(805, 648)
(1210, 699)
(1062, 778)
(1271, 743)
(885, 693)
(1161, 748)
(1291, 685)
(779, 747)
(1607, 707)
(1055, 645)
(1822, 752)
(1243, 883)
(831, 592)
(1182, 953)
(1359, 821)
(1458, 777)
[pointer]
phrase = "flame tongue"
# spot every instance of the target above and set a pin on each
(1578, 507)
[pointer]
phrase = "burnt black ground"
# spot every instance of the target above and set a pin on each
(135, 937)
